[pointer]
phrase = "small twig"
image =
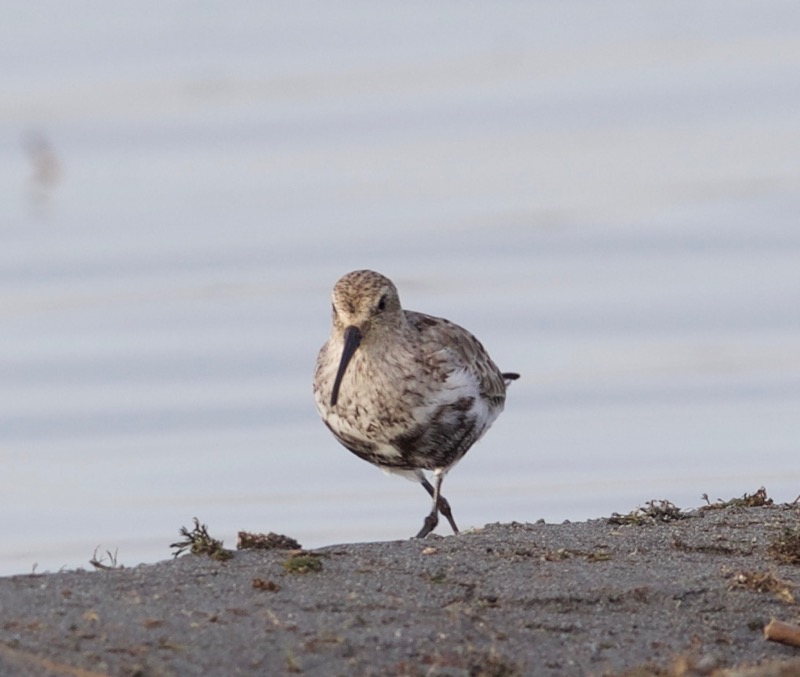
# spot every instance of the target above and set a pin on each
(99, 562)
(785, 633)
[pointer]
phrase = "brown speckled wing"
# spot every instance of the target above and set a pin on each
(436, 332)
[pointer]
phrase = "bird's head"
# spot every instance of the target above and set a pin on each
(365, 306)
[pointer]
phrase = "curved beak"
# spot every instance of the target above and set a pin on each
(352, 339)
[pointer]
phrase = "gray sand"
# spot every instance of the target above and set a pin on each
(591, 598)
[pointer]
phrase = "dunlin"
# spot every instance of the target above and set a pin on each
(405, 391)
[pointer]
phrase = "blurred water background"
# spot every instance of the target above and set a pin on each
(606, 194)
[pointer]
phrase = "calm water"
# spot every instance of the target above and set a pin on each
(607, 198)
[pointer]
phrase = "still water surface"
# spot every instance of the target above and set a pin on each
(608, 202)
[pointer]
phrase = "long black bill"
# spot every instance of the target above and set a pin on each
(352, 339)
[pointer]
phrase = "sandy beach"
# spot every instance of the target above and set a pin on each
(656, 592)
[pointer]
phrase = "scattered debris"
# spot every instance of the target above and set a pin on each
(785, 633)
(269, 586)
(439, 577)
(688, 666)
(762, 581)
(107, 561)
(91, 616)
(653, 511)
(786, 547)
(302, 563)
(755, 500)
(599, 555)
(271, 541)
(292, 664)
(709, 548)
(199, 542)
(466, 660)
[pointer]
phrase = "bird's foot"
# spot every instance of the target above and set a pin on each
(430, 524)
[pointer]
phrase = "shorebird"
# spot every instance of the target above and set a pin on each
(405, 391)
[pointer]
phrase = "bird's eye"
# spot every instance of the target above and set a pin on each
(382, 303)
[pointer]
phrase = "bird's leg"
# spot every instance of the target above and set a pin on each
(433, 518)
(440, 504)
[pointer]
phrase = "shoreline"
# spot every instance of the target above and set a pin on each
(637, 594)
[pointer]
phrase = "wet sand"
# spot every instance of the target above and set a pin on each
(589, 598)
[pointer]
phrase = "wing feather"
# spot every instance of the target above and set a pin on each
(461, 350)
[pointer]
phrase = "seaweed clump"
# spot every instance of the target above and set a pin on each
(199, 542)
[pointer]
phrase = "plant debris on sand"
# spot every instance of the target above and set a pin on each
(755, 500)
(653, 511)
(271, 541)
(199, 542)
(786, 547)
(302, 563)
(763, 581)
(107, 561)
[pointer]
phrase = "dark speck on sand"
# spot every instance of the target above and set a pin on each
(648, 597)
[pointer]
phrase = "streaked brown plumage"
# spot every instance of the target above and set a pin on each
(405, 391)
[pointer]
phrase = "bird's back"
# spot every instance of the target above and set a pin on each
(446, 347)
